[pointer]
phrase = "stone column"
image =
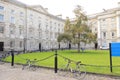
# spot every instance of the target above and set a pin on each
(118, 26)
(99, 33)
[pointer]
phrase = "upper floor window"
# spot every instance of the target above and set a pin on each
(31, 16)
(21, 13)
(58, 24)
(12, 30)
(95, 29)
(12, 43)
(103, 19)
(1, 18)
(104, 34)
(20, 44)
(12, 11)
(113, 25)
(112, 19)
(58, 29)
(55, 23)
(1, 29)
(21, 21)
(12, 20)
(1, 8)
(39, 25)
(113, 34)
(20, 30)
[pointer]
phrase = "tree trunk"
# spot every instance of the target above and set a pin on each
(59, 46)
(69, 45)
(79, 43)
(78, 47)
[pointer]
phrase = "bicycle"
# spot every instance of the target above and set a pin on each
(2, 59)
(30, 64)
(78, 72)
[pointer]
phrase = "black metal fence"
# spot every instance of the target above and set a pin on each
(99, 68)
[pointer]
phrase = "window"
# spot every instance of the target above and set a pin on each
(1, 8)
(31, 16)
(20, 44)
(1, 29)
(40, 34)
(12, 20)
(104, 34)
(12, 11)
(113, 34)
(21, 13)
(11, 30)
(113, 25)
(46, 26)
(112, 19)
(1, 18)
(58, 29)
(20, 30)
(11, 43)
(103, 19)
(58, 24)
(39, 25)
(21, 21)
(39, 19)
(55, 23)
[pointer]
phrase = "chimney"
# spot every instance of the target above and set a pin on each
(60, 15)
(46, 9)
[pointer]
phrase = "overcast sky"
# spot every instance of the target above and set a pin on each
(65, 7)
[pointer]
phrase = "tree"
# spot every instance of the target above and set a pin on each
(81, 31)
(78, 31)
(67, 26)
(64, 37)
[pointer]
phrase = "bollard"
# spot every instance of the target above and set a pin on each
(110, 58)
(12, 54)
(56, 62)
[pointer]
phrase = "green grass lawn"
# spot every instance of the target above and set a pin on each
(99, 58)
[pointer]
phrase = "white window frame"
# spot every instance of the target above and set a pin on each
(1, 8)
(1, 29)
(1, 18)
(12, 19)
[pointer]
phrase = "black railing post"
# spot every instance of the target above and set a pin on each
(110, 58)
(56, 62)
(12, 54)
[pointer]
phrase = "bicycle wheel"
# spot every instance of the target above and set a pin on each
(80, 72)
(64, 71)
(32, 68)
(1, 61)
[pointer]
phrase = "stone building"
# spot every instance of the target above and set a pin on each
(106, 25)
(28, 28)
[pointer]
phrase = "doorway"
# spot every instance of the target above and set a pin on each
(39, 46)
(1, 46)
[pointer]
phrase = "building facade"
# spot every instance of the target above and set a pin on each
(106, 25)
(28, 28)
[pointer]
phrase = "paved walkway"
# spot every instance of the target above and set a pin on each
(16, 73)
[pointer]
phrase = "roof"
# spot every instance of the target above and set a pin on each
(105, 12)
(36, 8)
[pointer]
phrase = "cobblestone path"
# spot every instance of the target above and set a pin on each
(16, 73)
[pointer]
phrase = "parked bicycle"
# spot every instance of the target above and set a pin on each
(2, 59)
(78, 71)
(30, 64)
